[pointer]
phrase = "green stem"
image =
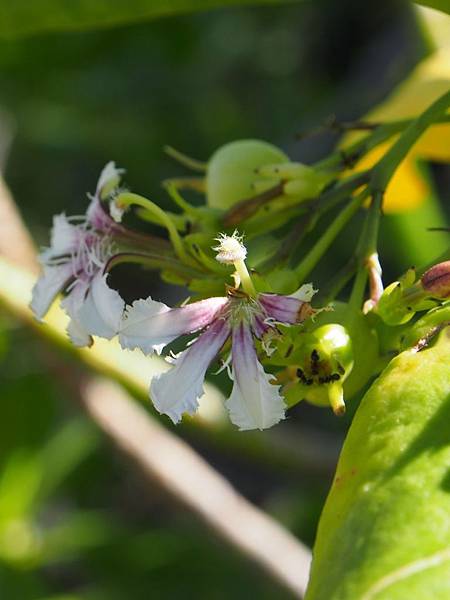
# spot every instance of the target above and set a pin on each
(321, 246)
(184, 159)
(171, 188)
(153, 262)
(382, 173)
(127, 199)
(331, 289)
(385, 168)
(358, 149)
(367, 246)
(309, 213)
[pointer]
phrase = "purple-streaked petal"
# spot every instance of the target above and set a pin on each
(254, 402)
(259, 326)
(283, 309)
(98, 217)
(151, 325)
(177, 391)
(101, 312)
(52, 281)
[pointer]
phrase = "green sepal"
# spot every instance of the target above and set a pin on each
(427, 326)
(402, 299)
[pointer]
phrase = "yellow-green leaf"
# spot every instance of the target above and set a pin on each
(385, 530)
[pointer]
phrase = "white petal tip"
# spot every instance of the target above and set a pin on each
(305, 292)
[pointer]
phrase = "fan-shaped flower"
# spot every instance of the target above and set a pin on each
(79, 250)
(242, 316)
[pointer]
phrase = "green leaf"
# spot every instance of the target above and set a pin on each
(384, 533)
(21, 17)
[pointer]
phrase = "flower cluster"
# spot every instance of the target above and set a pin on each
(241, 316)
(237, 323)
(74, 263)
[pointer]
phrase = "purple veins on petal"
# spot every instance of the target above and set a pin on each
(151, 325)
(177, 391)
(254, 402)
(283, 309)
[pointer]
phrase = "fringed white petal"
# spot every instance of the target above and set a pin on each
(101, 312)
(305, 292)
(177, 391)
(52, 281)
(78, 335)
(72, 303)
(108, 180)
(98, 217)
(63, 237)
(151, 325)
(254, 402)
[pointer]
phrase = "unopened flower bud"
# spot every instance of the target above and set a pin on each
(436, 281)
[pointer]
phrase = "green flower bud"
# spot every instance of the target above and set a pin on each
(402, 299)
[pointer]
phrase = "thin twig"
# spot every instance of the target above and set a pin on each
(172, 465)
(15, 241)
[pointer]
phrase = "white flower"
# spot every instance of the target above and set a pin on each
(79, 250)
(255, 403)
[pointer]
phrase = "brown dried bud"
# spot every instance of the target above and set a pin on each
(436, 280)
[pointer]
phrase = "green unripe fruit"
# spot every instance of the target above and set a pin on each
(231, 171)
(339, 371)
(384, 533)
(364, 343)
(325, 361)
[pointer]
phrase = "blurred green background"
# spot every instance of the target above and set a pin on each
(76, 522)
